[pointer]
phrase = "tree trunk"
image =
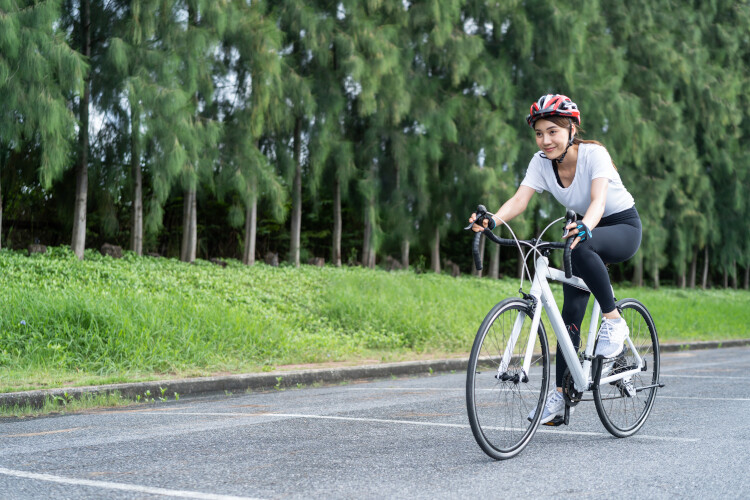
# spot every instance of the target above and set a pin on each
(656, 275)
(704, 281)
(78, 241)
(405, 247)
(638, 270)
(733, 274)
(189, 226)
(435, 264)
(251, 225)
(1, 215)
(693, 268)
(682, 279)
(366, 238)
(725, 281)
(294, 244)
(337, 225)
(494, 262)
(747, 269)
(136, 237)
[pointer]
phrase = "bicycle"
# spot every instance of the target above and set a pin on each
(508, 374)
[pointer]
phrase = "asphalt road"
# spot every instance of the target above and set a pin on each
(400, 438)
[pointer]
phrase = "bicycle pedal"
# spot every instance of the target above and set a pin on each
(556, 422)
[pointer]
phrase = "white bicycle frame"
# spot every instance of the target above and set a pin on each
(541, 291)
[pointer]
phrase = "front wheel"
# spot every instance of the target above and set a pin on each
(624, 405)
(500, 396)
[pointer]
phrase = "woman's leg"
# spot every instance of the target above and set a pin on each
(575, 301)
(610, 244)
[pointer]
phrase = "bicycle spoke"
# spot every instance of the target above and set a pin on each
(498, 409)
(623, 413)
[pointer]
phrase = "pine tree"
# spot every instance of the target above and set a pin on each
(197, 129)
(138, 72)
(251, 109)
(300, 23)
(37, 71)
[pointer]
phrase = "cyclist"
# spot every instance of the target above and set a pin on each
(580, 175)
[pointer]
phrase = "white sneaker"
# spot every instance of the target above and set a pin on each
(555, 407)
(612, 335)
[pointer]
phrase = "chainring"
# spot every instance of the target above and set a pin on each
(571, 395)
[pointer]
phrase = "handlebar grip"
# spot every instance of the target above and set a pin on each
(567, 259)
(475, 250)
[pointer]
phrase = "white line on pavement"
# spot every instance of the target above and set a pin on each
(693, 366)
(701, 399)
(406, 422)
(728, 377)
(118, 486)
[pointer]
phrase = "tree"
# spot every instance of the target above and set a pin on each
(251, 105)
(143, 79)
(37, 71)
(195, 42)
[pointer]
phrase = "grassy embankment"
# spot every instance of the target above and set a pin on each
(69, 322)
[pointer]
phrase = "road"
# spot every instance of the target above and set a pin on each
(399, 438)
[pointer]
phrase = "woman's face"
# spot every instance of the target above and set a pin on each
(551, 138)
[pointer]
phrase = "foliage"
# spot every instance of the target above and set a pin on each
(138, 318)
(376, 127)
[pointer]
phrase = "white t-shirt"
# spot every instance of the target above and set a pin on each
(593, 162)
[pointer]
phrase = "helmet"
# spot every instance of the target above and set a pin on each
(553, 105)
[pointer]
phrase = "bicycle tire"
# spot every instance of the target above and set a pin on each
(498, 409)
(624, 415)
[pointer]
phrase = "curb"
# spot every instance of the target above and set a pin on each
(283, 379)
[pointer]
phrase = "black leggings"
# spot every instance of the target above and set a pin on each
(615, 239)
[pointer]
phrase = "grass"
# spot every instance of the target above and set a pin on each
(67, 322)
(62, 405)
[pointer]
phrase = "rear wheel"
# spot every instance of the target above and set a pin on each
(500, 396)
(623, 406)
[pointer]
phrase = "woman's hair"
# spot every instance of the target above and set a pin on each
(565, 122)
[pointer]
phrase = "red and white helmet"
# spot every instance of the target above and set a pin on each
(553, 105)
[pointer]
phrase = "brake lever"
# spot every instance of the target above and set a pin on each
(482, 214)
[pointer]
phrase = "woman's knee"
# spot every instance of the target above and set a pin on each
(581, 255)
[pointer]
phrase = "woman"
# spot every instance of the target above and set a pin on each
(581, 176)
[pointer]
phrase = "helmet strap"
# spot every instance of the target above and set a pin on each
(570, 143)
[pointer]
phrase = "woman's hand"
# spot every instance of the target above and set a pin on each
(476, 227)
(577, 230)
(571, 232)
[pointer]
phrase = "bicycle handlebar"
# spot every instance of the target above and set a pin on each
(482, 214)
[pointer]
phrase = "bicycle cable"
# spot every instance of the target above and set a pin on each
(520, 250)
(534, 248)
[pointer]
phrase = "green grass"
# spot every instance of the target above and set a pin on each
(62, 405)
(100, 320)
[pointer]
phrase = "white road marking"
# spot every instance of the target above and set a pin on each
(411, 422)
(701, 399)
(659, 395)
(692, 366)
(119, 486)
(728, 377)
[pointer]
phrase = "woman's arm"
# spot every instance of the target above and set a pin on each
(596, 207)
(598, 201)
(510, 209)
(515, 205)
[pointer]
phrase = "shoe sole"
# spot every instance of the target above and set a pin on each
(616, 353)
(551, 416)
